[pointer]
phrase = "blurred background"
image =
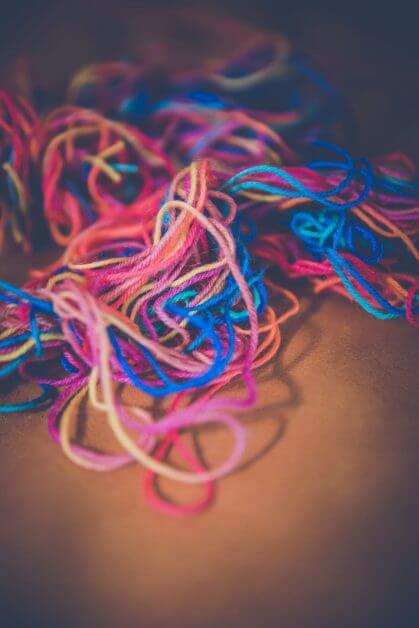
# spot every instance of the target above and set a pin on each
(323, 531)
(368, 49)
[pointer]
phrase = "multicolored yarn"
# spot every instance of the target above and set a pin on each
(168, 232)
(354, 227)
(92, 166)
(173, 315)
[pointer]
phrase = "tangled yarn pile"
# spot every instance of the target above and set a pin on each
(172, 198)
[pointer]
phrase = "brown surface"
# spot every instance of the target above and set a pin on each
(320, 531)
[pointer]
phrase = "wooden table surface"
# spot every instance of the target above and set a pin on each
(320, 528)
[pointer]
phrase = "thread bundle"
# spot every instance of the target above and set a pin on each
(172, 197)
